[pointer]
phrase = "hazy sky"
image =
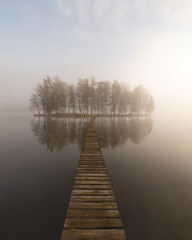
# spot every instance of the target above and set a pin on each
(145, 42)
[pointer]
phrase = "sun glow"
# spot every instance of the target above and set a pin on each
(164, 64)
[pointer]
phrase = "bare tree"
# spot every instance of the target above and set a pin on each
(35, 103)
(72, 98)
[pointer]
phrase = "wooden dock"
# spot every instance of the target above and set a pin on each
(92, 212)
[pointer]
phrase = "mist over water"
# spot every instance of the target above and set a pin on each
(35, 184)
(148, 160)
(57, 133)
(152, 181)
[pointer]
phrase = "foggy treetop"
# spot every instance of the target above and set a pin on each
(90, 97)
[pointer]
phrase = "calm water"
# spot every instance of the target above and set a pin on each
(149, 163)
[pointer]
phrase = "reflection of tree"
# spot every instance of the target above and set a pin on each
(56, 133)
(113, 132)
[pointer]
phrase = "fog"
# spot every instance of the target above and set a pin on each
(139, 42)
(123, 40)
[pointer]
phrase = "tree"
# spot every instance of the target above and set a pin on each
(103, 97)
(35, 103)
(72, 98)
(115, 97)
(92, 92)
(150, 105)
(137, 99)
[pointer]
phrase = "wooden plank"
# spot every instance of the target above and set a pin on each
(86, 198)
(91, 174)
(105, 234)
(93, 223)
(91, 178)
(92, 182)
(92, 166)
(91, 154)
(93, 162)
(92, 205)
(92, 192)
(95, 156)
(88, 213)
(92, 187)
(91, 169)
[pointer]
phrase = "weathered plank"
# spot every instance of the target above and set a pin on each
(92, 192)
(92, 187)
(92, 205)
(92, 182)
(92, 166)
(105, 234)
(91, 174)
(91, 178)
(88, 213)
(91, 170)
(85, 198)
(93, 223)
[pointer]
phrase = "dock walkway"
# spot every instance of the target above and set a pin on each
(92, 212)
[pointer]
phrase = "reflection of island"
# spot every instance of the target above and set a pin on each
(113, 132)
(56, 133)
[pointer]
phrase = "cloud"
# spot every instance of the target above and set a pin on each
(101, 10)
(84, 34)
(78, 9)
(120, 18)
(83, 11)
(117, 15)
(64, 7)
(176, 10)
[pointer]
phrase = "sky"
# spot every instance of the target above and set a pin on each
(146, 42)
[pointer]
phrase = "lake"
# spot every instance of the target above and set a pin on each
(149, 161)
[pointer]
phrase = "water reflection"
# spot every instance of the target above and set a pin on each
(56, 133)
(114, 132)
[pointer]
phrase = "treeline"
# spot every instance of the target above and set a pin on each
(90, 97)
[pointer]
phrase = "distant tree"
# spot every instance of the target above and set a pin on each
(57, 94)
(79, 93)
(150, 105)
(83, 95)
(137, 99)
(103, 97)
(64, 97)
(72, 98)
(35, 103)
(48, 94)
(92, 93)
(115, 97)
